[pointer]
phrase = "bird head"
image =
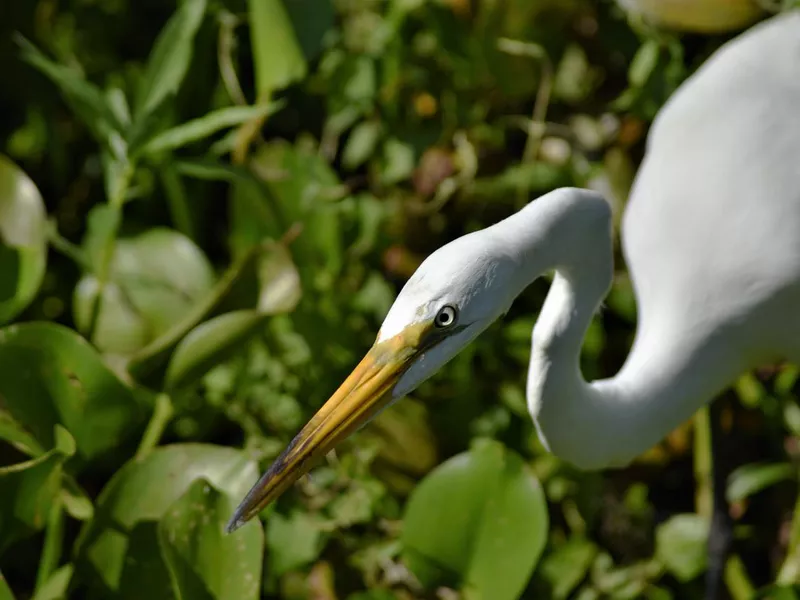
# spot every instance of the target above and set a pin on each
(456, 293)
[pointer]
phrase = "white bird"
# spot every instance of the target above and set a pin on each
(711, 236)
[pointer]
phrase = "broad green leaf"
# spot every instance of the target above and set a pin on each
(681, 545)
(55, 588)
(202, 127)
(209, 344)
(29, 489)
(277, 56)
(85, 99)
(50, 375)
(644, 63)
(202, 560)
(119, 551)
(481, 516)
(5, 591)
(156, 278)
(23, 240)
(240, 277)
(292, 542)
(565, 568)
(753, 478)
(170, 57)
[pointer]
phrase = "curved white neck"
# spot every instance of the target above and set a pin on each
(668, 375)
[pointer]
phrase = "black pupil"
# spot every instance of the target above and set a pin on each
(445, 317)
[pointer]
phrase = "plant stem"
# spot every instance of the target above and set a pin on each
(177, 200)
(736, 579)
(162, 413)
(702, 463)
(53, 540)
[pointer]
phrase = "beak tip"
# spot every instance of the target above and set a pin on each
(237, 520)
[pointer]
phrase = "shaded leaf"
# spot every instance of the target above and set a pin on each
(481, 515)
(203, 561)
(49, 375)
(23, 240)
(85, 99)
(29, 489)
(170, 57)
(118, 551)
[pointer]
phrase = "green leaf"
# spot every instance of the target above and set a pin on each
(361, 144)
(778, 592)
(277, 56)
(681, 545)
(203, 561)
(481, 515)
(49, 375)
(202, 127)
(170, 58)
(753, 478)
(293, 542)
(5, 591)
(155, 279)
(55, 588)
(16, 435)
(279, 281)
(644, 63)
(29, 489)
(86, 100)
(23, 240)
(565, 568)
(209, 344)
(119, 550)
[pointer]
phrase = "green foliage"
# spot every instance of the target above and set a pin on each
(206, 209)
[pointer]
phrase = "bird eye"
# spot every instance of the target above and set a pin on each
(446, 316)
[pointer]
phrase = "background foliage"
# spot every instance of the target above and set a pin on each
(207, 207)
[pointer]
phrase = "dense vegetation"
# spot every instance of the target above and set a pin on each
(230, 194)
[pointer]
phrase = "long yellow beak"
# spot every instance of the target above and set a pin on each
(362, 395)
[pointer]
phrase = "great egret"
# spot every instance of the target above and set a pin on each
(711, 236)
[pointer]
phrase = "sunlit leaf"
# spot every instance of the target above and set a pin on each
(119, 551)
(279, 282)
(170, 57)
(49, 375)
(481, 516)
(15, 434)
(361, 144)
(292, 542)
(681, 545)
(203, 561)
(753, 478)
(156, 278)
(565, 568)
(30, 488)
(208, 124)
(23, 240)
(277, 56)
(56, 586)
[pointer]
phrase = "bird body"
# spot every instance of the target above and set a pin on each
(711, 237)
